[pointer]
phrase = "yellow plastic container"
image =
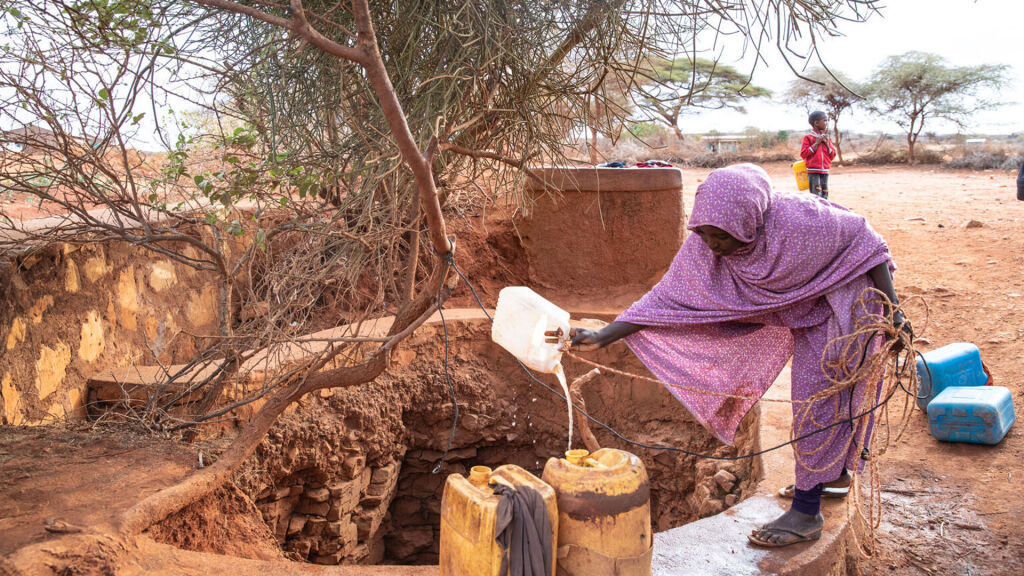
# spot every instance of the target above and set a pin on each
(800, 172)
(469, 509)
(604, 513)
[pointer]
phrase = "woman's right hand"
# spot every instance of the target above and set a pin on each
(580, 338)
(585, 340)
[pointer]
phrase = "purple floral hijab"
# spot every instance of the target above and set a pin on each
(723, 323)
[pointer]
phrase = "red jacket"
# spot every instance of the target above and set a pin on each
(819, 159)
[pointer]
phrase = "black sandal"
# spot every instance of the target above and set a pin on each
(826, 492)
(756, 538)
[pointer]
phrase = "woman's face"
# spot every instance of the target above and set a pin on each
(719, 241)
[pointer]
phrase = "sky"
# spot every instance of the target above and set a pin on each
(964, 32)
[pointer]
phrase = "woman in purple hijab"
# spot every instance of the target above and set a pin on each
(766, 277)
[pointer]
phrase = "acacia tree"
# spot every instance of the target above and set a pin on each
(382, 108)
(830, 90)
(671, 87)
(910, 88)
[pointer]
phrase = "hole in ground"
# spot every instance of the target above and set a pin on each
(347, 477)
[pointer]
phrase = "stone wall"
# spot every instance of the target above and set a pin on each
(70, 311)
(326, 523)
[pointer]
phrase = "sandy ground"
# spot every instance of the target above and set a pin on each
(949, 509)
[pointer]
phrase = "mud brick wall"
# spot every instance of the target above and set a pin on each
(69, 311)
(590, 229)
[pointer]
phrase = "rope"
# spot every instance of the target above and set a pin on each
(609, 369)
(449, 261)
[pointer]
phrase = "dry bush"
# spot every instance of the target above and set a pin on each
(898, 155)
(991, 158)
(694, 153)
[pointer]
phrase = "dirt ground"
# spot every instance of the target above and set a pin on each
(949, 509)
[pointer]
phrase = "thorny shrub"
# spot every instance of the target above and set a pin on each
(987, 160)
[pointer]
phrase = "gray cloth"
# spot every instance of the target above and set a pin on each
(523, 531)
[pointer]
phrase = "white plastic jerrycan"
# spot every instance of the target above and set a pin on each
(520, 321)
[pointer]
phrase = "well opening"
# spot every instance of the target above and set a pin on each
(352, 474)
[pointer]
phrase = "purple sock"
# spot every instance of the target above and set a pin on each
(807, 501)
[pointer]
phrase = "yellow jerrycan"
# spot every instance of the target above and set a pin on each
(800, 173)
(469, 509)
(604, 513)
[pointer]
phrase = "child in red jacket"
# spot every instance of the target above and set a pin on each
(818, 152)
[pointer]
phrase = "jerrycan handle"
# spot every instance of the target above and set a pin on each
(581, 457)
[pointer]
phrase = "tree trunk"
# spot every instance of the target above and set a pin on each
(679, 133)
(158, 506)
(912, 138)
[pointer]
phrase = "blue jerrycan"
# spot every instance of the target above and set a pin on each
(974, 414)
(957, 364)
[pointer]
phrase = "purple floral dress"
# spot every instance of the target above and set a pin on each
(729, 324)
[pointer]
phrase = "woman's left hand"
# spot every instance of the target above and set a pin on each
(904, 332)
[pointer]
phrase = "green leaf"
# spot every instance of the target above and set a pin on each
(103, 94)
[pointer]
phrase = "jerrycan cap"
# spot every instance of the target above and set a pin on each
(581, 457)
(479, 476)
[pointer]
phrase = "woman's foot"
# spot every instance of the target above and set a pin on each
(790, 528)
(838, 488)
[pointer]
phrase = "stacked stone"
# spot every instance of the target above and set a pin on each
(718, 487)
(414, 528)
(333, 523)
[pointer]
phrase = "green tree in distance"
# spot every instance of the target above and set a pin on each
(915, 86)
(833, 93)
(671, 87)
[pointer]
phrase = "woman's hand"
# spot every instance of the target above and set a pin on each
(904, 334)
(587, 340)
(581, 339)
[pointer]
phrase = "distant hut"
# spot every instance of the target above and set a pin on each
(35, 139)
(975, 144)
(718, 143)
(29, 140)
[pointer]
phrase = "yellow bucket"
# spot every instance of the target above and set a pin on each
(800, 172)
(604, 513)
